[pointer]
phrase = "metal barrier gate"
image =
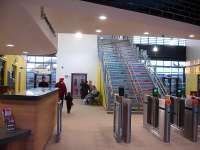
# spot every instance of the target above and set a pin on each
(190, 130)
(122, 119)
(156, 117)
(59, 121)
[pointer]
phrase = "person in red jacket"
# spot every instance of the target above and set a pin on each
(62, 90)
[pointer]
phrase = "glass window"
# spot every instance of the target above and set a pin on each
(39, 59)
(54, 59)
(152, 40)
(175, 63)
(47, 59)
(31, 58)
(181, 70)
(159, 63)
(159, 69)
(167, 70)
(182, 63)
(173, 42)
(54, 66)
(182, 42)
(144, 40)
(30, 65)
(167, 41)
(153, 62)
(160, 40)
(136, 39)
(175, 70)
(167, 63)
(39, 65)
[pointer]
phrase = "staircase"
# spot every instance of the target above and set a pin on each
(115, 74)
(122, 67)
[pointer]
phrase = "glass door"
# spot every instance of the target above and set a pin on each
(75, 84)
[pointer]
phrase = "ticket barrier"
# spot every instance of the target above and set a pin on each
(122, 119)
(156, 117)
(177, 112)
(190, 128)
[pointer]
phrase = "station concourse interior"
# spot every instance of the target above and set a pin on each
(142, 58)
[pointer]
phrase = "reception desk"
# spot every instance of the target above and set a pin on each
(34, 110)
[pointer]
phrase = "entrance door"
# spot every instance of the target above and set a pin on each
(75, 83)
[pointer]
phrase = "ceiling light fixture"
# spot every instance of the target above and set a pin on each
(10, 45)
(146, 33)
(98, 30)
(78, 35)
(191, 35)
(102, 17)
(24, 52)
(155, 49)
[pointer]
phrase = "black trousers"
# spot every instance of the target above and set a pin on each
(69, 106)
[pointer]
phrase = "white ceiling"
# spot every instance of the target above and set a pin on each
(24, 27)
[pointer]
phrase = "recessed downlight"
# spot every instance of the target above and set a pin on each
(78, 35)
(102, 17)
(10, 45)
(25, 52)
(191, 35)
(98, 30)
(146, 33)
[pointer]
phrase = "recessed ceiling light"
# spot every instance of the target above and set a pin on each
(78, 35)
(24, 52)
(98, 31)
(155, 48)
(10, 45)
(102, 17)
(146, 33)
(191, 35)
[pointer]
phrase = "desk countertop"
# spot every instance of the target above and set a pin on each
(31, 94)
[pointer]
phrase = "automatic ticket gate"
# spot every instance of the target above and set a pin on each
(156, 117)
(122, 119)
(184, 117)
(177, 112)
(190, 130)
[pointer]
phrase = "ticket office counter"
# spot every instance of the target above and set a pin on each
(33, 110)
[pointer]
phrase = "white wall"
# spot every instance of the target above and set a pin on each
(193, 49)
(77, 56)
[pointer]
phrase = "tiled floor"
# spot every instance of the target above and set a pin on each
(90, 128)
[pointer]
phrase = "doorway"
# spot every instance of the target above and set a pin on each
(76, 79)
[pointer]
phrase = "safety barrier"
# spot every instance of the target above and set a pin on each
(122, 119)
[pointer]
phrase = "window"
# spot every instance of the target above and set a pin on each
(31, 58)
(39, 59)
(175, 63)
(144, 40)
(159, 63)
(153, 62)
(47, 59)
(159, 41)
(167, 63)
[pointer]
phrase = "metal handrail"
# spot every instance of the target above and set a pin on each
(153, 75)
(134, 82)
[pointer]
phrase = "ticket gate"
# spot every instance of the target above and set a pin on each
(177, 111)
(122, 119)
(190, 128)
(156, 117)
